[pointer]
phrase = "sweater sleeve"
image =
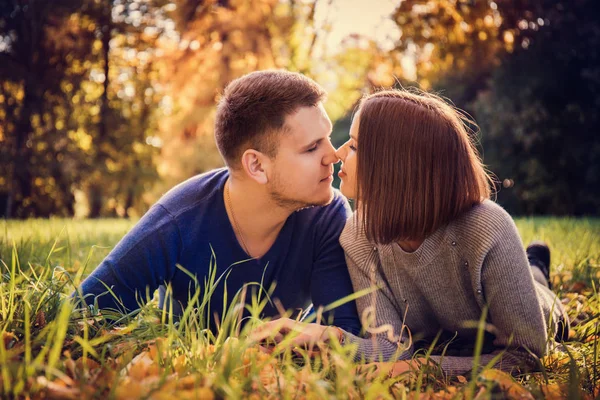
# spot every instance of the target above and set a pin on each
(509, 291)
(456, 365)
(144, 259)
(330, 281)
(386, 338)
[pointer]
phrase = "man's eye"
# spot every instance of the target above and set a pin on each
(312, 148)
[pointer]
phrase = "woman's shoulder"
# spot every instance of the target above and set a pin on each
(354, 240)
(486, 214)
(485, 224)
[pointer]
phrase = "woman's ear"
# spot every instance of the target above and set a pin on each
(256, 164)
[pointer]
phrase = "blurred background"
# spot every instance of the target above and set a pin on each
(106, 104)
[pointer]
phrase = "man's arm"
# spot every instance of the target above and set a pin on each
(330, 280)
(144, 259)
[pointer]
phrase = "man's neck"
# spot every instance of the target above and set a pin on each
(255, 217)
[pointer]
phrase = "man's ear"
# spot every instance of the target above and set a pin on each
(256, 165)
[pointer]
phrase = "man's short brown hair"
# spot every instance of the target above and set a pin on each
(417, 167)
(253, 108)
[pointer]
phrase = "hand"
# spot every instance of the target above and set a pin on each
(290, 333)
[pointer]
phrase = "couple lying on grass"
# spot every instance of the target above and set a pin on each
(437, 253)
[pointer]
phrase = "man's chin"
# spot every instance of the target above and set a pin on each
(298, 204)
(329, 199)
(324, 201)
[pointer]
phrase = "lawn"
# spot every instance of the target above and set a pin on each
(49, 350)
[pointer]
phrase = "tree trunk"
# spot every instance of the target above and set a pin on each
(95, 193)
(22, 188)
(106, 28)
(95, 200)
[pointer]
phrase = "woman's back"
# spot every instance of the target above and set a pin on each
(475, 262)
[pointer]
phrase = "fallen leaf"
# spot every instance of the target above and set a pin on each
(179, 363)
(9, 339)
(506, 383)
(554, 391)
(205, 351)
(555, 359)
(40, 320)
(268, 375)
(592, 338)
(58, 390)
(141, 366)
(158, 350)
(130, 389)
(203, 393)
(578, 287)
(187, 382)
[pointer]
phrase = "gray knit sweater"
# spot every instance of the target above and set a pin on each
(474, 262)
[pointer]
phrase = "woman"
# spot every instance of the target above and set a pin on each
(439, 251)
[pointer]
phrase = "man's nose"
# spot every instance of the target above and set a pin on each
(330, 156)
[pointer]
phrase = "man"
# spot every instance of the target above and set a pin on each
(270, 217)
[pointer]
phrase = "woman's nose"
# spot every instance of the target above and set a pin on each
(340, 153)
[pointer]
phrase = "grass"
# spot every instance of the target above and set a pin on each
(49, 350)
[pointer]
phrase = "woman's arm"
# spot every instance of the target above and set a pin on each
(508, 287)
(387, 338)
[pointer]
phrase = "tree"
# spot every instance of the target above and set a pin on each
(125, 103)
(454, 44)
(79, 102)
(33, 66)
(527, 70)
(457, 44)
(540, 117)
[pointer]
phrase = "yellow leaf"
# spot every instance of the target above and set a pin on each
(203, 393)
(141, 366)
(506, 383)
(130, 389)
(554, 391)
(179, 363)
(58, 389)
(8, 338)
(187, 382)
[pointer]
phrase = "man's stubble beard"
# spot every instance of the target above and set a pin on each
(293, 204)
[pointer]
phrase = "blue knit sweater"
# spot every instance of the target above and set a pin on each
(189, 227)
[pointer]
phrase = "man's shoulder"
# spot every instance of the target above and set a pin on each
(194, 192)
